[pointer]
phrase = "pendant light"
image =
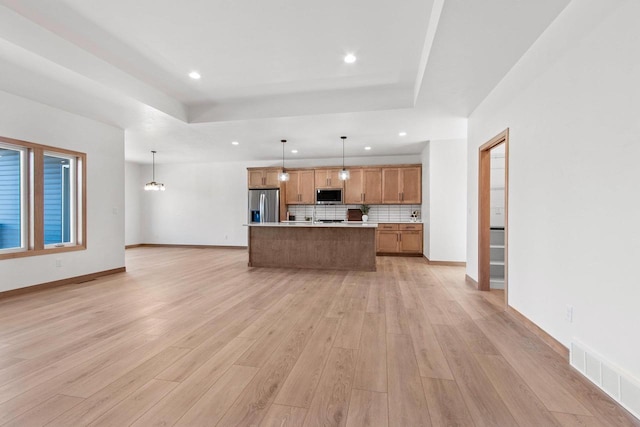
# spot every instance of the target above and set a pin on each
(284, 175)
(343, 174)
(153, 185)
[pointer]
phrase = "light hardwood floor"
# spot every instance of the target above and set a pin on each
(194, 337)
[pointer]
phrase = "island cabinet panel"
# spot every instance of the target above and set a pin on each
(328, 178)
(263, 178)
(364, 186)
(402, 185)
(313, 246)
(300, 189)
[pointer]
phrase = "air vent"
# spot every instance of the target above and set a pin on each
(614, 381)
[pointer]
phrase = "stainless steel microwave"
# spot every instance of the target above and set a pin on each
(331, 196)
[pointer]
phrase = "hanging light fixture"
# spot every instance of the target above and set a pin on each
(343, 174)
(153, 185)
(284, 175)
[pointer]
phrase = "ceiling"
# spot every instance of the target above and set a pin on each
(270, 70)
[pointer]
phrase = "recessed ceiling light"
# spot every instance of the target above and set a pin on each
(194, 75)
(235, 143)
(402, 134)
(367, 148)
(350, 58)
(294, 151)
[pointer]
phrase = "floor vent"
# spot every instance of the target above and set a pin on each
(613, 381)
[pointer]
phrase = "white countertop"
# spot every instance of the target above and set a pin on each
(353, 224)
(368, 222)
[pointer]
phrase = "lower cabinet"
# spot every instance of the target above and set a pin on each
(399, 239)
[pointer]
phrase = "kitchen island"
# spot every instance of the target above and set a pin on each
(330, 246)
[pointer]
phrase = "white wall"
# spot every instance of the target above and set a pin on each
(572, 104)
(206, 203)
(133, 193)
(446, 192)
(426, 203)
(104, 145)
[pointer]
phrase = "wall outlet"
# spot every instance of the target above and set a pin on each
(58, 263)
(568, 315)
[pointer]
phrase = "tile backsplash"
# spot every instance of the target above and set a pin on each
(378, 213)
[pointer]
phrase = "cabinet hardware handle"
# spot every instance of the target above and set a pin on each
(364, 196)
(400, 234)
(399, 196)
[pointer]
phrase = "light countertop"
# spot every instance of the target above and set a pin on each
(360, 222)
(303, 224)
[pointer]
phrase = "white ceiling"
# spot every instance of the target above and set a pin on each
(270, 70)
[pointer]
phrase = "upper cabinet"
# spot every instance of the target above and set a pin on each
(402, 185)
(263, 178)
(371, 185)
(300, 189)
(328, 178)
(364, 186)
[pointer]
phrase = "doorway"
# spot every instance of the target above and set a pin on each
(493, 196)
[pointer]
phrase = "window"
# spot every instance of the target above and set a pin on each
(12, 194)
(41, 199)
(58, 200)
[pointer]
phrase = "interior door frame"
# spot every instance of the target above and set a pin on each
(484, 212)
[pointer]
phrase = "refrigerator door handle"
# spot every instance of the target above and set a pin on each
(262, 199)
(266, 209)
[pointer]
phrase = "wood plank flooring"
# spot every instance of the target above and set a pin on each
(193, 337)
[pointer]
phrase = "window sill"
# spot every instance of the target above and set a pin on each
(22, 254)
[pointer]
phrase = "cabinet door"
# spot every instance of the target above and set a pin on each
(411, 242)
(387, 241)
(372, 186)
(334, 178)
(291, 189)
(411, 186)
(271, 178)
(255, 179)
(321, 178)
(391, 185)
(306, 187)
(353, 187)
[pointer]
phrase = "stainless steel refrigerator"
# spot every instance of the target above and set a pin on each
(264, 205)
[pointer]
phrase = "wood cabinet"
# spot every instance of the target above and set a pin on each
(328, 178)
(402, 185)
(399, 239)
(300, 189)
(263, 178)
(410, 238)
(364, 186)
(383, 185)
